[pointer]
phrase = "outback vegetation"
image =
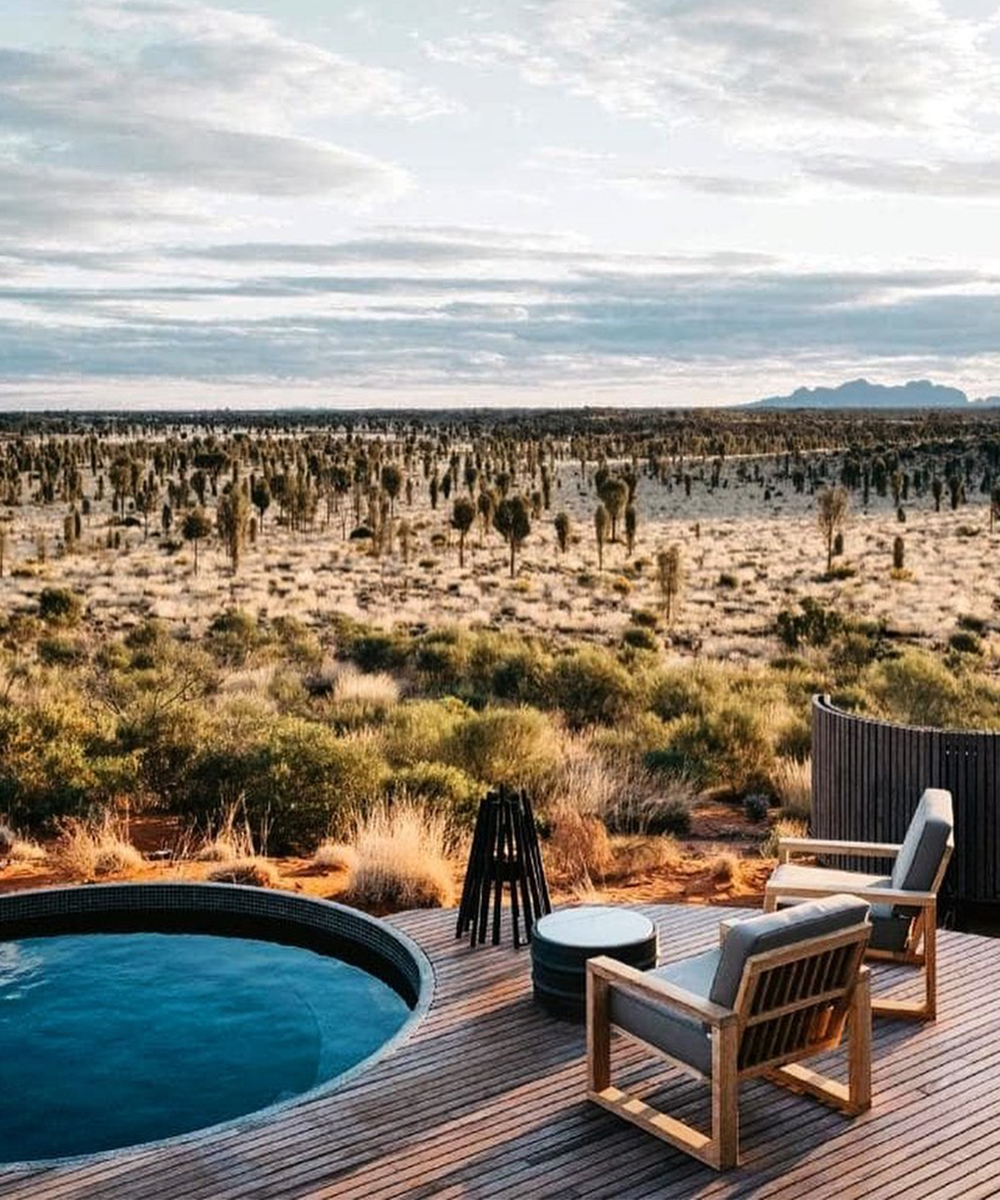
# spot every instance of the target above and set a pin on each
(300, 650)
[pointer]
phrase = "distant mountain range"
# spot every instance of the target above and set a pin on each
(859, 393)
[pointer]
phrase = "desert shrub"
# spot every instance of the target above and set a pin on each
(645, 618)
(298, 780)
(791, 779)
(402, 861)
(61, 651)
(8, 840)
(419, 731)
(249, 872)
(440, 788)
(728, 746)
(232, 636)
(782, 828)
(680, 692)
(504, 745)
(578, 846)
(630, 741)
(793, 737)
(724, 867)
(654, 811)
(94, 849)
(59, 606)
(973, 623)
(590, 686)
(639, 638)
(298, 643)
(919, 689)
(813, 625)
(334, 856)
(756, 806)
(727, 580)
(964, 641)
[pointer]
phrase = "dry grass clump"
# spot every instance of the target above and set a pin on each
(579, 848)
(402, 860)
(636, 856)
(250, 872)
(90, 850)
(781, 829)
(334, 856)
(230, 841)
(16, 849)
(378, 690)
(724, 867)
(792, 783)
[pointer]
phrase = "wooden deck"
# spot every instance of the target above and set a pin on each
(485, 1099)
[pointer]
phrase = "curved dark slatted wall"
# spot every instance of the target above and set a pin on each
(867, 776)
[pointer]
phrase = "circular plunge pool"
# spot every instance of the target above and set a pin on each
(133, 1013)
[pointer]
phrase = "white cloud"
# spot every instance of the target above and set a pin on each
(182, 99)
(770, 67)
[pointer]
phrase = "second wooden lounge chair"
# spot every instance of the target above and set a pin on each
(904, 904)
(780, 988)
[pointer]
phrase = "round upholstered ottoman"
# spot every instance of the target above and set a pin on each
(561, 943)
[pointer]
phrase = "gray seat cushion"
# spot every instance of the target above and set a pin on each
(924, 845)
(771, 931)
(681, 1037)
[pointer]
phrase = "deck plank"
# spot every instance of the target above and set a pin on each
(486, 1098)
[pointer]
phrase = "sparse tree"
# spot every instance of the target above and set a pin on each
(562, 531)
(670, 578)
(232, 518)
(463, 515)
(392, 485)
(631, 521)
(513, 522)
(937, 488)
(831, 513)
(196, 526)
(614, 495)
(260, 494)
(602, 523)
(898, 553)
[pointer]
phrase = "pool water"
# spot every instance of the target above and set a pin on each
(111, 1039)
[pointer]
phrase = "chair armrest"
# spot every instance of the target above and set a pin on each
(726, 927)
(874, 895)
(639, 983)
(787, 846)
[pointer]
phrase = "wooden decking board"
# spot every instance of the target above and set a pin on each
(486, 1098)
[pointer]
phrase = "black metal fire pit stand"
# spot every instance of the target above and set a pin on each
(504, 851)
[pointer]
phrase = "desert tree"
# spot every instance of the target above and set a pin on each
(405, 534)
(937, 489)
(196, 526)
(232, 519)
(631, 521)
(614, 496)
(602, 523)
(562, 531)
(670, 579)
(513, 522)
(486, 504)
(463, 515)
(392, 484)
(260, 495)
(831, 513)
(898, 553)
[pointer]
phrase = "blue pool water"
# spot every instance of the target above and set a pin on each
(111, 1039)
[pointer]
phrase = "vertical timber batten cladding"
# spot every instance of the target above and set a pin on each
(867, 776)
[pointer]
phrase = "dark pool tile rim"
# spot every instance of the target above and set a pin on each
(375, 935)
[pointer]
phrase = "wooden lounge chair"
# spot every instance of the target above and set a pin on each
(780, 988)
(904, 904)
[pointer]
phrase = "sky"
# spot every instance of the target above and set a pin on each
(431, 202)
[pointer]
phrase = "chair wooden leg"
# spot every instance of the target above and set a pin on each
(725, 1097)
(598, 1034)
(859, 1047)
(918, 1010)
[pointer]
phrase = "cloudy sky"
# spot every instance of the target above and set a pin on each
(554, 202)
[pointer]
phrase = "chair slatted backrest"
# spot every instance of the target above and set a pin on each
(794, 1000)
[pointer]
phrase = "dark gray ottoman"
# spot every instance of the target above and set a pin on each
(562, 942)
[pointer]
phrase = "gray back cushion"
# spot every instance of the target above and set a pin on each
(924, 845)
(797, 923)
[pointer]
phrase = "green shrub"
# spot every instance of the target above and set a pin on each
(679, 692)
(299, 781)
(440, 788)
(232, 636)
(639, 638)
(61, 651)
(813, 625)
(591, 686)
(59, 606)
(919, 689)
(419, 730)
(964, 641)
(727, 746)
(503, 745)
